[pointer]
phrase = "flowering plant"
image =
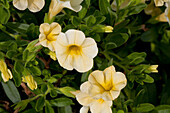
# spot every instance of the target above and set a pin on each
(71, 56)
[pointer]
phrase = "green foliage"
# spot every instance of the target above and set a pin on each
(136, 43)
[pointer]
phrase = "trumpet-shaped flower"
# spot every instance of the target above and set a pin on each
(49, 34)
(160, 2)
(32, 5)
(95, 105)
(74, 51)
(106, 84)
(5, 72)
(32, 84)
(56, 6)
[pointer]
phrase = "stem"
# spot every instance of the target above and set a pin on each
(115, 62)
(118, 57)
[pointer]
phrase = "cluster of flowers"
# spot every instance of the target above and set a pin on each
(73, 51)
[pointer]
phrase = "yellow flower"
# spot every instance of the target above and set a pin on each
(108, 29)
(32, 5)
(153, 68)
(5, 72)
(49, 34)
(30, 81)
(106, 84)
(160, 2)
(52, 55)
(74, 51)
(56, 6)
(95, 105)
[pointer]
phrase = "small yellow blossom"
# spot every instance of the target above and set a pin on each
(106, 84)
(92, 104)
(32, 84)
(56, 6)
(5, 72)
(52, 55)
(153, 68)
(32, 5)
(74, 51)
(49, 34)
(108, 29)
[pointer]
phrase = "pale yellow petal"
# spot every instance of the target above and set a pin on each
(84, 109)
(35, 5)
(159, 2)
(96, 77)
(119, 81)
(96, 91)
(89, 47)
(20, 4)
(44, 28)
(114, 94)
(76, 2)
(62, 41)
(162, 18)
(75, 7)
(101, 107)
(55, 28)
(5, 76)
(10, 74)
(75, 37)
(82, 63)
(167, 12)
(55, 7)
(84, 99)
(85, 87)
(65, 60)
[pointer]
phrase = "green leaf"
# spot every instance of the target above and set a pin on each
(117, 39)
(17, 78)
(90, 20)
(5, 37)
(67, 91)
(148, 79)
(18, 27)
(40, 104)
(22, 105)
(136, 58)
(11, 91)
(48, 108)
(4, 14)
(104, 6)
(163, 109)
(12, 46)
(61, 102)
(53, 93)
(145, 107)
(35, 70)
(150, 35)
(66, 109)
(18, 67)
(75, 20)
(29, 111)
(11, 53)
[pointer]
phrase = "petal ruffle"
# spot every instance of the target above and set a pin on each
(20, 4)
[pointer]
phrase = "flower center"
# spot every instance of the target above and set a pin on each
(100, 100)
(51, 37)
(74, 50)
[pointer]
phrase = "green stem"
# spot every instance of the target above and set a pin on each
(8, 33)
(115, 62)
(115, 55)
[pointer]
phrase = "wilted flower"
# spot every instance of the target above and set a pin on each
(32, 5)
(153, 68)
(160, 2)
(106, 84)
(95, 105)
(74, 51)
(56, 6)
(49, 34)
(5, 72)
(32, 84)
